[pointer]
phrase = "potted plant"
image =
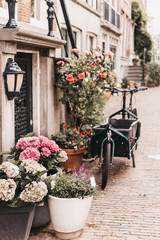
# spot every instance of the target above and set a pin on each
(82, 80)
(69, 199)
(21, 187)
(135, 60)
(73, 141)
(45, 152)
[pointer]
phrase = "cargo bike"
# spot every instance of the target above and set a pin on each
(119, 136)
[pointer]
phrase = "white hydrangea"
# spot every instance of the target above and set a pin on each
(10, 169)
(32, 166)
(34, 192)
(7, 189)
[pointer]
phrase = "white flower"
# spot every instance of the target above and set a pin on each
(53, 184)
(7, 189)
(10, 169)
(32, 166)
(34, 192)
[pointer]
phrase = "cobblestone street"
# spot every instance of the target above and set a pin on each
(129, 207)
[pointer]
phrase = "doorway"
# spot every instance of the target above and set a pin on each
(23, 104)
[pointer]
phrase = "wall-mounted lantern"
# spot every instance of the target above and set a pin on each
(13, 78)
(11, 10)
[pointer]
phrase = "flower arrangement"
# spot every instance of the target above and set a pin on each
(22, 183)
(39, 149)
(82, 80)
(75, 185)
(72, 138)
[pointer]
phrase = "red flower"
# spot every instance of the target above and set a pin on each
(81, 75)
(84, 132)
(75, 79)
(104, 75)
(64, 126)
(80, 134)
(70, 78)
(93, 64)
(75, 129)
(73, 137)
(68, 126)
(89, 134)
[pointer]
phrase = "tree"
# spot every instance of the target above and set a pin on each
(142, 39)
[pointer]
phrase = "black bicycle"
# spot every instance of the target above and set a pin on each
(118, 136)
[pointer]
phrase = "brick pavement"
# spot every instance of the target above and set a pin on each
(129, 207)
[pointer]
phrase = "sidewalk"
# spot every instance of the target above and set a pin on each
(129, 207)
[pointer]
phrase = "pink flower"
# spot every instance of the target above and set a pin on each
(26, 142)
(45, 152)
(70, 78)
(42, 139)
(110, 54)
(60, 63)
(62, 154)
(75, 50)
(53, 146)
(99, 47)
(88, 53)
(30, 153)
(81, 75)
(101, 70)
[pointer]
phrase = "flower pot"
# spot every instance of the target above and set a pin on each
(68, 215)
(41, 215)
(15, 222)
(74, 159)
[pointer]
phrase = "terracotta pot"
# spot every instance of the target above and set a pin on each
(74, 159)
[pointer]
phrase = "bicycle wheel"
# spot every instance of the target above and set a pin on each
(105, 164)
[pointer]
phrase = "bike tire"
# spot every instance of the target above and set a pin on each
(105, 164)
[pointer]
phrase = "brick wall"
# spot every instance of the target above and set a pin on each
(24, 10)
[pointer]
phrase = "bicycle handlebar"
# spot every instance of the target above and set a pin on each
(131, 90)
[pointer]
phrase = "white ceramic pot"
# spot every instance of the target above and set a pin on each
(68, 215)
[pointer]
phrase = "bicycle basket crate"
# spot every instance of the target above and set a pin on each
(128, 127)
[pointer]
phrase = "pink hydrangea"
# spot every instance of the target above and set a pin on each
(63, 154)
(45, 152)
(26, 142)
(30, 153)
(53, 146)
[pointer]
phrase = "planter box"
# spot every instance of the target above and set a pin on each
(15, 223)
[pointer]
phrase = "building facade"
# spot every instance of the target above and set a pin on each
(94, 22)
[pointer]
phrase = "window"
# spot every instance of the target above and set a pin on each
(106, 11)
(35, 9)
(118, 20)
(93, 3)
(113, 64)
(68, 46)
(113, 16)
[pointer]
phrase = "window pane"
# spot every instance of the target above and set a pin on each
(33, 8)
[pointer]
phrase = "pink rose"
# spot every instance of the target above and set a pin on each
(81, 75)
(70, 78)
(75, 50)
(103, 75)
(93, 64)
(60, 63)
(110, 54)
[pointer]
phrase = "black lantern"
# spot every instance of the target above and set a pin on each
(11, 10)
(13, 78)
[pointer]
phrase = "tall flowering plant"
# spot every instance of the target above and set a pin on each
(82, 80)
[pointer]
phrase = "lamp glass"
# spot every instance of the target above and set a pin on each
(19, 81)
(11, 82)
